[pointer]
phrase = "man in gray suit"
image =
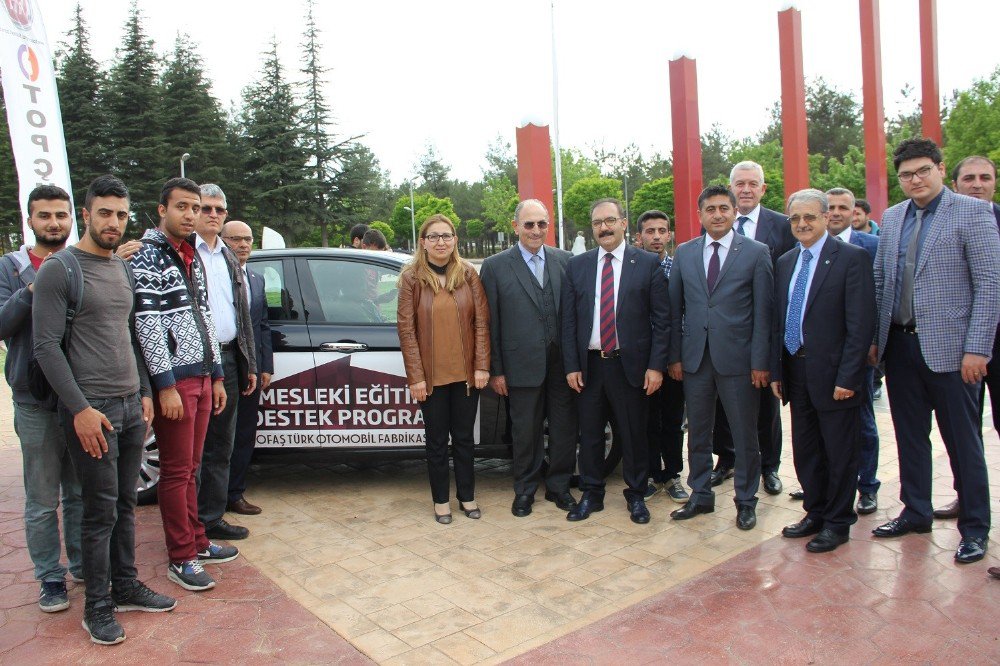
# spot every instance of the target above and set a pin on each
(721, 296)
(522, 286)
(937, 289)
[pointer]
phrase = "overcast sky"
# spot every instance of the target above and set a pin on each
(457, 73)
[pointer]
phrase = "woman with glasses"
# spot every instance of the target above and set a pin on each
(444, 334)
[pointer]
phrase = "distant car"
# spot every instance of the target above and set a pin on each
(339, 388)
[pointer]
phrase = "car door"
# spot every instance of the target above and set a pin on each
(351, 298)
(286, 418)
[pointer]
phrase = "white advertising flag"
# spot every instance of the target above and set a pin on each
(29, 91)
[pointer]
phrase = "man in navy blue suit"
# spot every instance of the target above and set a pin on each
(841, 203)
(239, 237)
(615, 331)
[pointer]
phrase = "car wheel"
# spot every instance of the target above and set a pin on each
(149, 471)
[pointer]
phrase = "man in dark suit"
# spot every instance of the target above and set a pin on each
(615, 329)
(523, 287)
(721, 294)
(842, 205)
(937, 288)
(976, 177)
(746, 180)
(239, 237)
(824, 320)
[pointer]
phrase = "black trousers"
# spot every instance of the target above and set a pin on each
(450, 411)
(246, 438)
(213, 475)
(665, 431)
(768, 434)
(914, 392)
(608, 393)
(993, 382)
(109, 486)
(826, 448)
(529, 406)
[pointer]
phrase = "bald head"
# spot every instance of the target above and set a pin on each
(239, 237)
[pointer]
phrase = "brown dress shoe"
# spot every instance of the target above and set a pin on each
(243, 507)
(947, 511)
(994, 571)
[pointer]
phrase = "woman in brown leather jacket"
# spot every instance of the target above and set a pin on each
(444, 333)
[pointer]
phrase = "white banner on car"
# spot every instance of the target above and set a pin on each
(29, 92)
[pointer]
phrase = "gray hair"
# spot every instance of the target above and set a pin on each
(842, 191)
(522, 204)
(747, 165)
(213, 190)
(808, 196)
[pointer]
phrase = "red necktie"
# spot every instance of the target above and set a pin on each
(609, 338)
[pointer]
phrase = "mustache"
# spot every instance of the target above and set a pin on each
(606, 233)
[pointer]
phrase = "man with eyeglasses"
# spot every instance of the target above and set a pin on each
(937, 290)
(227, 298)
(238, 236)
(615, 329)
(523, 290)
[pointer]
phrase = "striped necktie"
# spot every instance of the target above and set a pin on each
(609, 336)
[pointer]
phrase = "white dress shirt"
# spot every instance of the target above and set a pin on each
(529, 257)
(749, 228)
(724, 244)
(845, 235)
(220, 288)
(618, 255)
(815, 250)
(247, 275)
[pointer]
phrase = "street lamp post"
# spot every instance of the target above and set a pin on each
(413, 218)
(184, 158)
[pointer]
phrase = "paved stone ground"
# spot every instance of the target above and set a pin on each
(353, 552)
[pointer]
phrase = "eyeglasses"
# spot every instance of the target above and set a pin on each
(219, 210)
(541, 224)
(808, 217)
(922, 172)
(239, 239)
(608, 221)
(434, 238)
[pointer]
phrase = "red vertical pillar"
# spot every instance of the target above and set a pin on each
(794, 141)
(929, 96)
(687, 147)
(534, 171)
(876, 180)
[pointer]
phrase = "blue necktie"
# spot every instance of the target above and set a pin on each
(742, 219)
(793, 323)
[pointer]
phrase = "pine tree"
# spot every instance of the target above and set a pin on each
(274, 160)
(132, 105)
(10, 204)
(85, 127)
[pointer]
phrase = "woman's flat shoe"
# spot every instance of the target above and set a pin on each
(475, 514)
(443, 519)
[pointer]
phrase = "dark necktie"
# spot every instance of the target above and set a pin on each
(713, 267)
(793, 322)
(742, 219)
(909, 268)
(609, 337)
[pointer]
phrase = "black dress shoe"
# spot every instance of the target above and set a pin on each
(746, 517)
(867, 503)
(898, 527)
(585, 507)
(563, 500)
(805, 527)
(522, 505)
(970, 549)
(772, 484)
(690, 510)
(720, 474)
(949, 510)
(797, 495)
(826, 541)
(638, 512)
(226, 532)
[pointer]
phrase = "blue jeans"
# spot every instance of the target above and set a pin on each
(109, 489)
(867, 481)
(47, 469)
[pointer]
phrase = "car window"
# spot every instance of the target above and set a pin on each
(279, 302)
(354, 292)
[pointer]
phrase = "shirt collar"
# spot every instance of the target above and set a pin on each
(754, 215)
(528, 255)
(618, 253)
(931, 207)
(199, 243)
(817, 247)
(845, 235)
(726, 241)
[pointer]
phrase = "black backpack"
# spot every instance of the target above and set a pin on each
(38, 383)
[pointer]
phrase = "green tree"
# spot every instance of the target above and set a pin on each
(425, 204)
(768, 156)
(85, 127)
(387, 231)
(499, 201)
(474, 228)
(132, 106)
(433, 173)
(274, 161)
(849, 173)
(716, 145)
(10, 204)
(500, 161)
(575, 166)
(973, 123)
(583, 193)
(656, 194)
(467, 197)
(363, 192)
